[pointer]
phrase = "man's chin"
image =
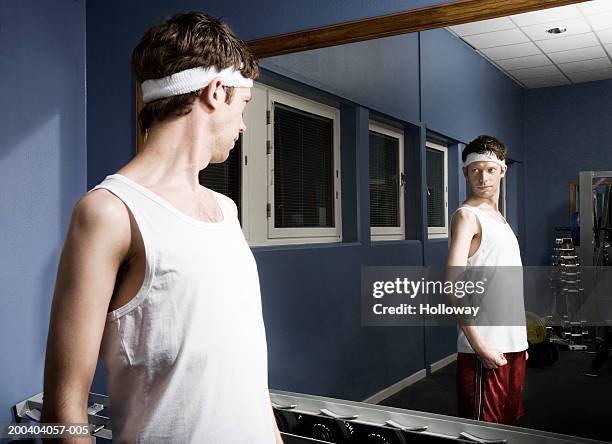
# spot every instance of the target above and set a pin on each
(219, 157)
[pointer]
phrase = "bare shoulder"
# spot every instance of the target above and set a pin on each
(102, 214)
(100, 206)
(463, 215)
(464, 221)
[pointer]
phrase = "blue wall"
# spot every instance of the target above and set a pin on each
(464, 96)
(568, 129)
(43, 172)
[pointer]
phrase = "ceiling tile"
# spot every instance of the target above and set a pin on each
(546, 15)
(601, 21)
(541, 71)
(567, 43)
(525, 62)
(575, 55)
(511, 51)
(595, 7)
(574, 26)
(496, 24)
(605, 36)
(497, 38)
(590, 76)
(609, 49)
(543, 82)
(585, 65)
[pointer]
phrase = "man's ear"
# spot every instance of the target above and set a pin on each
(214, 94)
(503, 171)
(464, 169)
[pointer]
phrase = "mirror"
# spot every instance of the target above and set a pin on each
(539, 81)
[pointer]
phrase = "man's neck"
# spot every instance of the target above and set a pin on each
(488, 204)
(172, 155)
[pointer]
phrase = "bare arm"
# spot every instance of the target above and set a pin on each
(98, 240)
(464, 227)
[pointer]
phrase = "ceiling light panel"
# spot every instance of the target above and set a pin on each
(573, 27)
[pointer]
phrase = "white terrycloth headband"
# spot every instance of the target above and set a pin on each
(190, 80)
(488, 156)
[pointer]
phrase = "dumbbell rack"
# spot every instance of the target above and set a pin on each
(305, 419)
(567, 290)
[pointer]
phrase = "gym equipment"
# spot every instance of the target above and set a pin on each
(308, 419)
(542, 352)
(566, 285)
(595, 217)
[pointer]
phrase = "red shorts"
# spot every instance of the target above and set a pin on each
(492, 395)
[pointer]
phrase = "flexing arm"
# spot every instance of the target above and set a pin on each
(464, 227)
(98, 240)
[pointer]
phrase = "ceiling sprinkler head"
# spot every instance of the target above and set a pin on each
(556, 30)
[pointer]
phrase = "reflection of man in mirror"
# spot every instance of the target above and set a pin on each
(491, 359)
(156, 275)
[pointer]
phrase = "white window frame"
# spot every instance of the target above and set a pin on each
(502, 195)
(439, 232)
(391, 233)
(258, 171)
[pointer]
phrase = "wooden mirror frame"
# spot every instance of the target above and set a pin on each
(438, 16)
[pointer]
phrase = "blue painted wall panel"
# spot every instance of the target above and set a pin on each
(312, 310)
(43, 172)
(567, 130)
(464, 96)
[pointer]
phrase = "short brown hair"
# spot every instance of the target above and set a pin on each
(187, 41)
(483, 144)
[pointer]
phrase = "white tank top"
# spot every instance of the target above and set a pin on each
(498, 247)
(186, 358)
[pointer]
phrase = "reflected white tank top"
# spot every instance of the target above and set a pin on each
(498, 248)
(186, 358)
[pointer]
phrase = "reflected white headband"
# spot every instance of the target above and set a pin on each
(489, 156)
(190, 80)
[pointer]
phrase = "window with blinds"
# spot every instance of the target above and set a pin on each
(303, 169)
(436, 189)
(384, 180)
(226, 177)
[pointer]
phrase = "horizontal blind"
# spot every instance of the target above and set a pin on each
(435, 188)
(226, 177)
(384, 180)
(303, 169)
